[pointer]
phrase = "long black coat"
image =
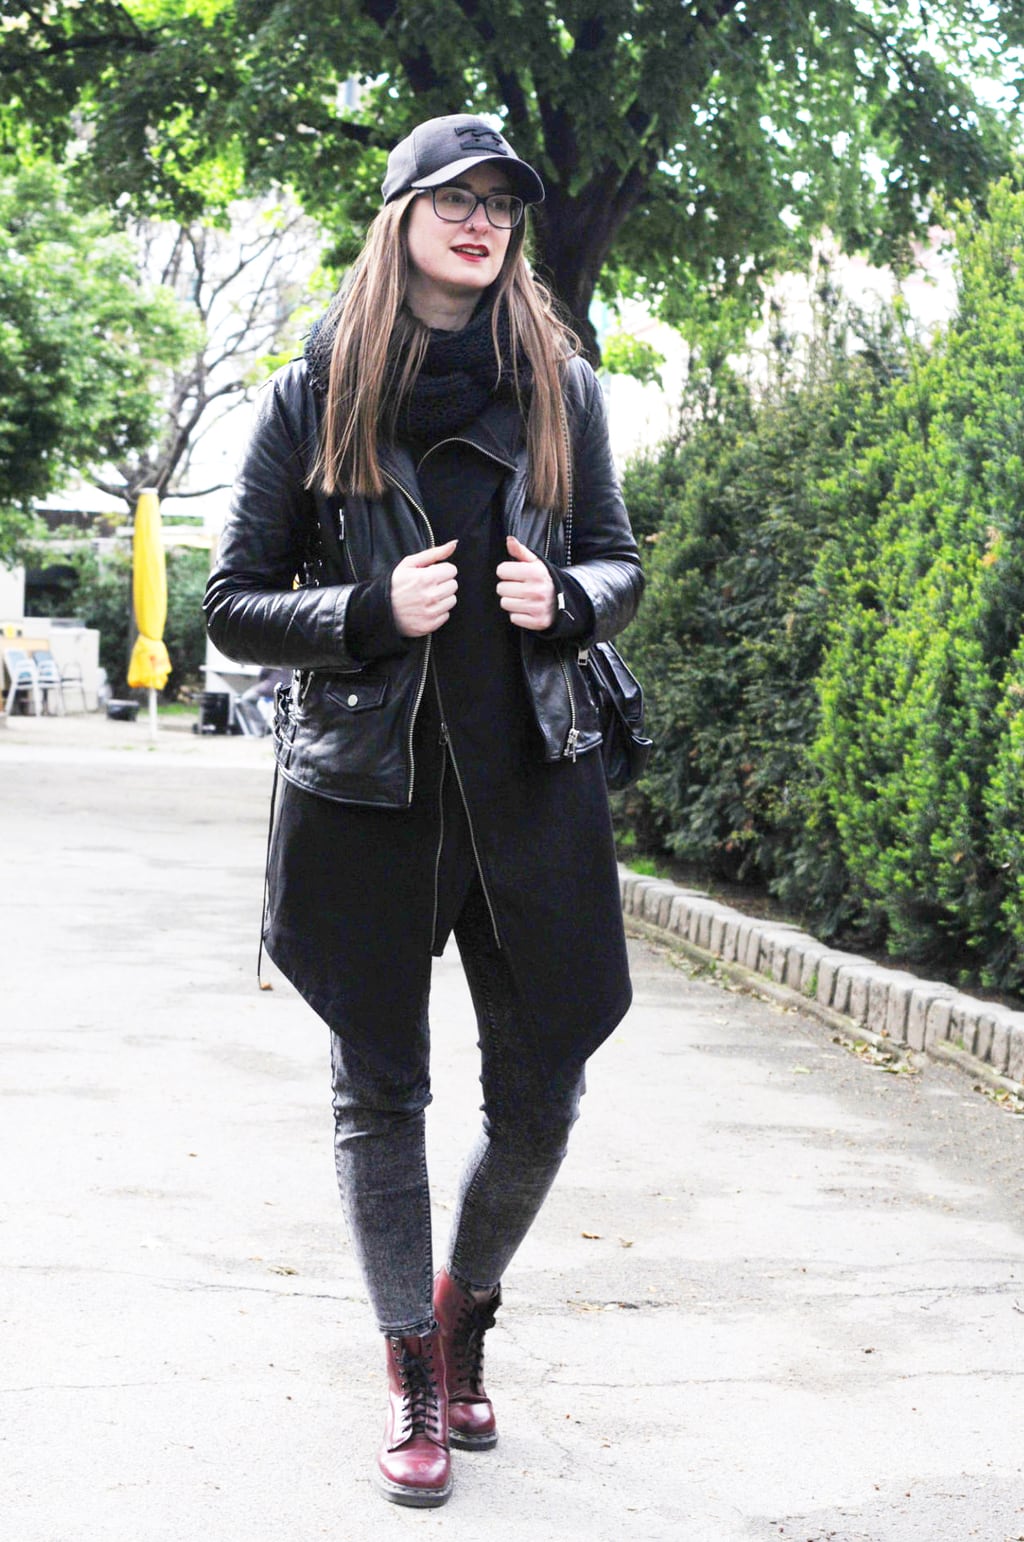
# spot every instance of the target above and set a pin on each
(358, 899)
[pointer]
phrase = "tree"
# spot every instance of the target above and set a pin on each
(247, 288)
(82, 343)
(687, 148)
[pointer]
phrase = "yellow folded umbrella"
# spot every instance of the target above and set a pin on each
(150, 663)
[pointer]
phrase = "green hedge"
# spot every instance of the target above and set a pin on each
(920, 688)
(731, 635)
(832, 637)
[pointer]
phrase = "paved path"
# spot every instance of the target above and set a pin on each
(776, 1294)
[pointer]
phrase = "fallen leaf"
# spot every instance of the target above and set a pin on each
(879, 1056)
(1003, 1097)
(282, 1269)
(591, 1236)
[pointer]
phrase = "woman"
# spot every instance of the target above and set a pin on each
(416, 472)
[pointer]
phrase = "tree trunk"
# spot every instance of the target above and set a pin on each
(573, 237)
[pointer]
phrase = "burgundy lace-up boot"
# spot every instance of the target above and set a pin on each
(463, 1321)
(414, 1465)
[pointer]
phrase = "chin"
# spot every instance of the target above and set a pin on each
(476, 279)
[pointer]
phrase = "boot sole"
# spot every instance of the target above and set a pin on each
(414, 1498)
(472, 1442)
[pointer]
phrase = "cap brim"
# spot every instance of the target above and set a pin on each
(525, 182)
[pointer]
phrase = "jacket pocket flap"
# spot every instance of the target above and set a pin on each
(360, 694)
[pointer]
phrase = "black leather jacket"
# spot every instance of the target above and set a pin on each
(345, 730)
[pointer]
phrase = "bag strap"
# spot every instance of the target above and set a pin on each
(568, 473)
(582, 654)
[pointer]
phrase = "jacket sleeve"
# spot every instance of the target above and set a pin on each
(254, 611)
(605, 560)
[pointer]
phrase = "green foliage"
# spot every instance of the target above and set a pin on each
(185, 632)
(81, 345)
(833, 642)
(101, 594)
(687, 148)
(623, 354)
(730, 637)
(921, 685)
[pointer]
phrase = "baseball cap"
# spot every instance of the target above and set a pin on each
(441, 148)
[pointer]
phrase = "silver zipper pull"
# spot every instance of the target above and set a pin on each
(570, 744)
(442, 737)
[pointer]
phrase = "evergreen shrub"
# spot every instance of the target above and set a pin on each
(832, 638)
(921, 685)
(730, 636)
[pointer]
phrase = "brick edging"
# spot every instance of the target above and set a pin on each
(924, 1015)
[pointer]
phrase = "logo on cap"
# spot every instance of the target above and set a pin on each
(473, 138)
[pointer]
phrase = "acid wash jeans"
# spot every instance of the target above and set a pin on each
(380, 1151)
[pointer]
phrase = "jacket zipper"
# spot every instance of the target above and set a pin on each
(446, 740)
(421, 511)
(458, 439)
(572, 738)
(426, 652)
(307, 674)
(446, 737)
(443, 740)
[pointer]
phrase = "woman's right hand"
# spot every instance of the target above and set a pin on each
(423, 588)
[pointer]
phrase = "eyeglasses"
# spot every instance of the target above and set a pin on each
(455, 205)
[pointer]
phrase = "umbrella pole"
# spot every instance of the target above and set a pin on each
(152, 713)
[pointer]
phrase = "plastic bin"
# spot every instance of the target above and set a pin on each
(215, 713)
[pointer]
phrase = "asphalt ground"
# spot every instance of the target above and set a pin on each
(777, 1291)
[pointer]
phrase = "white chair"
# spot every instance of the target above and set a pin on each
(49, 677)
(24, 677)
(72, 679)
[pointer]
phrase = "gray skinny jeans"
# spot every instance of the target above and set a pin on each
(380, 1151)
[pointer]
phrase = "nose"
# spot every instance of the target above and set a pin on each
(478, 219)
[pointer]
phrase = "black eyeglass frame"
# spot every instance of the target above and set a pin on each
(477, 201)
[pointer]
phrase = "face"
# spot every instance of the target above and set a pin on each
(455, 262)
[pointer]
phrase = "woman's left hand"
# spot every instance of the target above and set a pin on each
(526, 588)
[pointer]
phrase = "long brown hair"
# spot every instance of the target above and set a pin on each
(379, 347)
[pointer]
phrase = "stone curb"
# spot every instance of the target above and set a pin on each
(882, 1005)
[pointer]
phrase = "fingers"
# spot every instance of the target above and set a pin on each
(423, 590)
(425, 559)
(518, 550)
(526, 590)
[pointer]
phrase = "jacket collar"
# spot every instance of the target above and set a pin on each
(497, 433)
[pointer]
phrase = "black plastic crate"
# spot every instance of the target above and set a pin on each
(215, 713)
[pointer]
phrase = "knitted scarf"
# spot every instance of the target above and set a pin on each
(457, 379)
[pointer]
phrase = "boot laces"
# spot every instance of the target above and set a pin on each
(475, 1317)
(420, 1411)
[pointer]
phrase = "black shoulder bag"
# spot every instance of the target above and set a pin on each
(617, 693)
